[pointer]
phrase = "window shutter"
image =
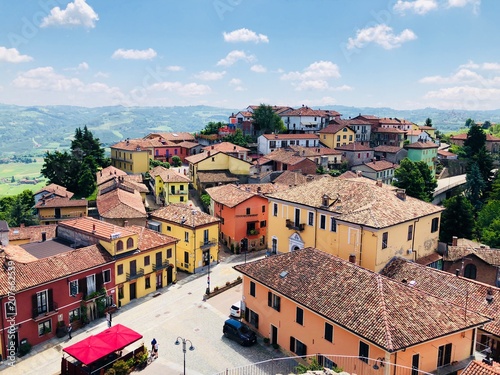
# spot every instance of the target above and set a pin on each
(99, 279)
(82, 286)
(292, 344)
(50, 300)
(34, 304)
(269, 299)
(278, 303)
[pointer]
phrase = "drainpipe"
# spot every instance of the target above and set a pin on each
(361, 244)
(413, 238)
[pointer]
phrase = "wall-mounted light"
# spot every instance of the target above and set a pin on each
(379, 363)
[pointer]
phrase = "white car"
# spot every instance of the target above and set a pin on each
(237, 309)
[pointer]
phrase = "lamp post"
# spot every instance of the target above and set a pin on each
(191, 347)
(209, 258)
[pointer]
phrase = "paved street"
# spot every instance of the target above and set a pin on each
(178, 311)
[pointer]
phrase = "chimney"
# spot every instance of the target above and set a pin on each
(258, 189)
(101, 172)
(234, 147)
(454, 241)
(21, 225)
(359, 174)
(213, 147)
(379, 183)
(44, 236)
(352, 258)
(401, 194)
(208, 154)
(125, 223)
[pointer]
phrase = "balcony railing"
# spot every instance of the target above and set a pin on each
(253, 232)
(39, 313)
(161, 266)
(136, 275)
(291, 225)
(208, 243)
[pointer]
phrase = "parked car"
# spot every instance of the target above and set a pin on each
(239, 332)
(237, 309)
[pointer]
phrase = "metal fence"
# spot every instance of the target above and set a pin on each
(292, 365)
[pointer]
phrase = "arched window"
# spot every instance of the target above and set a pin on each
(470, 271)
(119, 245)
(130, 243)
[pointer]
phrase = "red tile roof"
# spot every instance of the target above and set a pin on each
(109, 173)
(290, 136)
(467, 294)
(388, 149)
(334, 128)
(173, 137)
(55, 267)
(380, 165)
(121, 204)
(383, 311)
(463, 137)
(58, 190)
(355, 146)
(389, 130)
(183, 214)
(61, 202)
(226, 147)
(422, 145)
(285, 156)
(151, 239)
(229, 195)
(97, 228)
(479, 368)
(169, 175)
(314, 151)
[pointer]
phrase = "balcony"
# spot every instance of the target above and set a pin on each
(136, 275)
(208, 243)
(39, 313)
(253, 233)
(161, 266)
(291, 225)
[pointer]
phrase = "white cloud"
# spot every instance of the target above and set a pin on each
(381, 35)
(210, 76)
(101, 75)
(12, 55)
(45, 78)
(134, 54)
(464, 97)
(319, 69)
(188, 89)
(418, 6)
(235, 82)
(461, 76)
(234, 56)
(476, 4)
(83, 66)
(77, 13)
(245, 35)
(258, 68)
(174, 68)
(317, 84)
(342, 88)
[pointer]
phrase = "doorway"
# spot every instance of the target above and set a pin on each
(274, 335)
(159, 279)
(133, 292)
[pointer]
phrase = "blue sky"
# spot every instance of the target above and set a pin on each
(233, 53)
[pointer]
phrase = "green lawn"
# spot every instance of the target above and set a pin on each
(20, 171)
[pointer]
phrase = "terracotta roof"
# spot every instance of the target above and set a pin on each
(139, 145)
(335, 128)
(314, 151)
(187, 144)
(58, 266)
(229, 195)
(265, 188)
(108, 173)
(151, 239)
(168, 175)
(183, 214)
(385, 312)
(226, 147)
(462, 292)
(428, 259)
(389, 130)
(58, 190)
(369, 117)
(380, 165)
(355, 146)
(348, 175)
(423, 127)
(388, 149)
(490, 256)
(246, 113)
(446, 153)
(121, 182)
(61, 202)
(293, 178)
(285, 156)
(216, 176)
(422, 145)
(97, 228)
(290, 136)
(306, 111)
(413, 132)
(32, 233)
(359, 201)
(479, 368)
(194, 159)
(121, 204)
(173, 137)
(463, 137)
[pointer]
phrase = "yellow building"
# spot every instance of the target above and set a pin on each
(53, 210)
(197, 232)
(310, 302)
(131, 156)
(169, 186)
(144, 258)
(355, 219)
(209, 161)
(336, 135)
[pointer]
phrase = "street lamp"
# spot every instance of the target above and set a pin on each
(191, 347)
(209, 259)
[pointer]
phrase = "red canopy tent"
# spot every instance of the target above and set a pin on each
(101, 345)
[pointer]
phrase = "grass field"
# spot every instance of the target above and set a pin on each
(20, 171)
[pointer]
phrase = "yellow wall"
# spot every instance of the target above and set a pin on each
(331, 140)
(365, 243)
(346, 343)
(220, 161)
(164, 189)
(149, 272)
(132, 162)
(194, 244)
(48, 213)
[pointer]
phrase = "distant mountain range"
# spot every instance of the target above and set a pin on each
(33, 130)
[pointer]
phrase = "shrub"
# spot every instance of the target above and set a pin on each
(276, 346)
(110, 371)
(121, 367)
(24, 349)
(266, 340)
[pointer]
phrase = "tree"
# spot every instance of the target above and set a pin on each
(238, 138)
(265, 120)
(409, 177)
(486, 124)
(18, 209)
(212, 128)
(156, 163)
(476, 139)
(484, 162)
(491, 234)
(176, 161)
(474, 185)
(469, 122)
(428, 122)
(457, 219)
(86, 181)
(55, 167)
(495, 188)
(430, 183)
(487, 224)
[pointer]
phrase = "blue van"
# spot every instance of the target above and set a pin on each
(239, 332)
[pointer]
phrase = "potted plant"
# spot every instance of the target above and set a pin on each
(61, 329)
(267, 340)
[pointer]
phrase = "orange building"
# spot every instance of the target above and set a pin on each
(243, 214)
(310, 302)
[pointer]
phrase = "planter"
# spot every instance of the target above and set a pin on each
(61, 331)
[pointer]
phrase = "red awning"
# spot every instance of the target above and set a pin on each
(101, 345)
